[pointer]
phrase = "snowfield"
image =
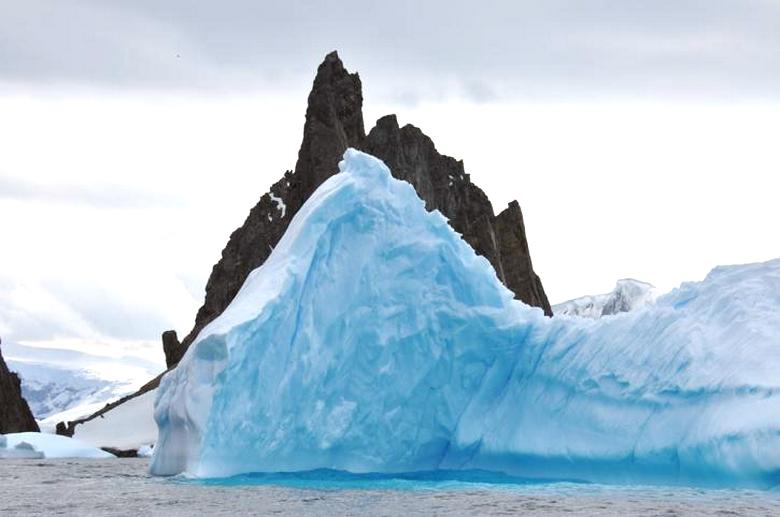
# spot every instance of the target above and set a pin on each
(374, 339)
(128, 426)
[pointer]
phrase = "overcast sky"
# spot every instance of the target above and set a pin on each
(639, 137)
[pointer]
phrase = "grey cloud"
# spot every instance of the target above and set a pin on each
(562, 48)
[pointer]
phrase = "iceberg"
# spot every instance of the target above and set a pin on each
(33, 445)
(374, 339)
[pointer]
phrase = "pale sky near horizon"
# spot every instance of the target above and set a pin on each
(639, 140)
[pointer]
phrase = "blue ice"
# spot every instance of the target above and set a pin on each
(374, 340)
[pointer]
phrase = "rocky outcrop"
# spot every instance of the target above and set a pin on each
(15, 414)
(334, 122)
(442, 182)
(172, 348)
(517, 269)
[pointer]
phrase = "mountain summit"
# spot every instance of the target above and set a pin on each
(334, 122)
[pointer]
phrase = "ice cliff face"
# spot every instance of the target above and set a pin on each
(374, 339)
(627, 296)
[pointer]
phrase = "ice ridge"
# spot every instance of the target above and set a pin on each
(374, 339)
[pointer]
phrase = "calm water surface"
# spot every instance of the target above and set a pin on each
(123, 487)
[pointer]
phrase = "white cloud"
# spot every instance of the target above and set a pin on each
(114, 209)
(661, 192)
(103, 196)
(637, 136)
(657, 191)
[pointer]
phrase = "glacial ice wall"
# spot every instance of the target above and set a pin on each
(375, 340)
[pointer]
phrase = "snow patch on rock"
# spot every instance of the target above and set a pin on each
(279, 203)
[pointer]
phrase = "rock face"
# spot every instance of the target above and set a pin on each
(334, 122)
(171, 347)
(15, 414)
(517, 269)
(442, 182)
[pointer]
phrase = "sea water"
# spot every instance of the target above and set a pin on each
(124, 487)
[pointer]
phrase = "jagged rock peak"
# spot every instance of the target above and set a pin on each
(441, 181)
(15, 414)
(517, 268)
(334, 122)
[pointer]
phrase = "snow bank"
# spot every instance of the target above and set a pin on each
(128, 426)
(39, 445)
(373, 339)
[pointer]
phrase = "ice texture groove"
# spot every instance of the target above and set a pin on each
(374, 339)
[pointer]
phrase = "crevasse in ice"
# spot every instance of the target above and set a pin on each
(375, 340)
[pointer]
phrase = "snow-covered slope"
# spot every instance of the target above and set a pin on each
(61, 384)
(375, 340)
(128, 426)
(628, 295)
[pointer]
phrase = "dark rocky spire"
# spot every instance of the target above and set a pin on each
(442, 182)
(15, 414)
(334, 122)
(517, 269)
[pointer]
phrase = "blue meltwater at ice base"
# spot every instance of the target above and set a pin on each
(374, 340)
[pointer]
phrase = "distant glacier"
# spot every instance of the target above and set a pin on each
(628, 295)
(62, 384)
(374, 339)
